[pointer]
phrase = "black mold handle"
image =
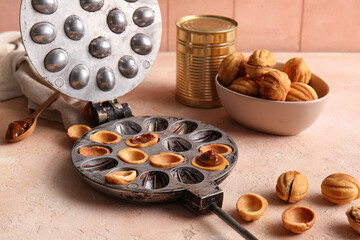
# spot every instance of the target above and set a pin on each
(199, 197)
(203, 198)
(231, 222)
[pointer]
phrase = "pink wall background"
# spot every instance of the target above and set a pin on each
(278, 25)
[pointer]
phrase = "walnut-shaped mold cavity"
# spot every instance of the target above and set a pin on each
(220, 149)
(298, 219)
(144, 140)
(74, 132)
(45, 6)
(132, 155)
(210, 161)
(100, 164)
(127, 128)
(105, 137)
(121, 176)
(166, 159)
(205, 136)
(92, 5)
(183, 127)
(154, 180)
(187, 175)
(94, 151)
(251, 206)
(176, 144)
(156, 124)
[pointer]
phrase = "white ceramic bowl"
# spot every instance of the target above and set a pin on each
(274, 117)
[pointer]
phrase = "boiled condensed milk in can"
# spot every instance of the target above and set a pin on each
(203, 41)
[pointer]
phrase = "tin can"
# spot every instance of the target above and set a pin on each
(203, 41)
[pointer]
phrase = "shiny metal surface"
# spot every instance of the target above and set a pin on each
(74, 28)
(91, 5)
(105, 79)
(80, 40)
(100, 47)
(56, 60)
(141, 44)
(117, 21)
(144, 16)
(79, 77)
(232, 223)
(43, 33)
(45, 6)
(128, 67)
(203, 41)
(154, 184)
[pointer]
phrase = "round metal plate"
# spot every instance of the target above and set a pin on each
(120, 36)
(154, 184)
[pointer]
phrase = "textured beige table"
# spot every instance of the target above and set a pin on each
(42, 196)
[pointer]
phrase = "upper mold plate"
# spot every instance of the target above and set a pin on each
(89, 32)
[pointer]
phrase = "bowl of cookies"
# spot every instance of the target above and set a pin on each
(275, 98)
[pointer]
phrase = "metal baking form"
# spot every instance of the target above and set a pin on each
(92, 50)
(99, 50)
(153, 184)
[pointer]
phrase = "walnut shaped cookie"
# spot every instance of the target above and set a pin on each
(292, 186)
(353, 215)
(232, 67)
(340, 188)
(297, 70)
(275, 86)
(301, 92)
(259, 63)
(245, 85)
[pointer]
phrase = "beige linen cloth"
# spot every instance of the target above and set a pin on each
(18, 77)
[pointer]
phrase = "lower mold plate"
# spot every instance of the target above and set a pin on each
(154, 184)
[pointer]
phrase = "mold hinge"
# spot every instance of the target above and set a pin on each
(110, 110)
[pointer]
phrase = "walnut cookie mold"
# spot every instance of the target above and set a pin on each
(164, 170)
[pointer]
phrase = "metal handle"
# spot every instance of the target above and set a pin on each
(234, 224)
(207, 197)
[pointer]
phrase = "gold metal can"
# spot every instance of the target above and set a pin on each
(203, 41)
